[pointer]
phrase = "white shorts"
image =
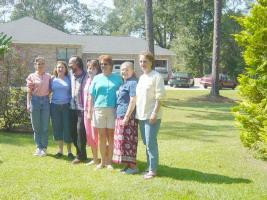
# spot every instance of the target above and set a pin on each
(104, 118)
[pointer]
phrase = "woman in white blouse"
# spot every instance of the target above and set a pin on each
(149, 92)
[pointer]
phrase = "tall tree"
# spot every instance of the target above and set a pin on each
(166, 20)
(149, 25)
(231, 61)
(192, 41)
(216, 48)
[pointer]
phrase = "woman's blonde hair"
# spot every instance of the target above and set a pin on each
(148, 55)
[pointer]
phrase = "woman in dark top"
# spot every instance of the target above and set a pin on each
(126, 137)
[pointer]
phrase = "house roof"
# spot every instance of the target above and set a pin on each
(30, 31)
(117, 45)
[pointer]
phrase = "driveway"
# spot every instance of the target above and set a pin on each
(167, 87)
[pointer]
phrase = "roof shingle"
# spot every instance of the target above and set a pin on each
(30, 31)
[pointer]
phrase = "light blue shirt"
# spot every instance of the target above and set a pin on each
(61, 92)
(103, 90)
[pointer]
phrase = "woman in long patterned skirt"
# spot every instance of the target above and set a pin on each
(126, 135)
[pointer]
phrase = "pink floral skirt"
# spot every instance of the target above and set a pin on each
(125, 142)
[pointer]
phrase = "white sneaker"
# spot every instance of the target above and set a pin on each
(42, 153)
(37, 152)
(109, 167)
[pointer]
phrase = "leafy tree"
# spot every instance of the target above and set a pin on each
(251, 112)
(5, 42)
(13, 98)
(231, 61)
(127, 18)
(58, 14)
(193, 38)
(166, 17)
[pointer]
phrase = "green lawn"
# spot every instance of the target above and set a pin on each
(200, 158)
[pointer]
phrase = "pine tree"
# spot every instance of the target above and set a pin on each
(251, 113)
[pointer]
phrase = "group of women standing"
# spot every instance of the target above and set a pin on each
(113, 106)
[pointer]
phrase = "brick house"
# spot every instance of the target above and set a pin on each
(36, 38)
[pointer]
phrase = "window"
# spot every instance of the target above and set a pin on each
(161, 63)
(64, 54)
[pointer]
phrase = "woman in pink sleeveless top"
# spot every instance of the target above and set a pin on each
(93, 69)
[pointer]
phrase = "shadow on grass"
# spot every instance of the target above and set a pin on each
(194, 131)
(19, 139)
(194, 175)
(196, 105)
(63, 157)
(212, 116)
(16, 139)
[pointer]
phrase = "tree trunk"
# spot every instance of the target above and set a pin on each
(149, 25)
(216, 48)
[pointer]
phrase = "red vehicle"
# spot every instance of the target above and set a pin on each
(224, 81)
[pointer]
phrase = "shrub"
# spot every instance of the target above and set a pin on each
(13, 109)
(13, 98)
(251, 113)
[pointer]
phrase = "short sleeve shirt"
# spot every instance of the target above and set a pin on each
(126, 90)
(61, 90)
(39, 83)
(103, 90)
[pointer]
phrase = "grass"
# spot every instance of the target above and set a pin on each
(200, 158)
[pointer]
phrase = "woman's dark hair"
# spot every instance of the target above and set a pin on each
(95, 64)
(65, 66)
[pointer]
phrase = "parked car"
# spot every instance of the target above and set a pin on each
(164, 73)
(182, 79)
(224, 81)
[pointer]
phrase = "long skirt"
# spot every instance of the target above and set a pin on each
(91, 133)
(125, 142)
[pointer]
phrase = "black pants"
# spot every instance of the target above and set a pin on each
(78, 133)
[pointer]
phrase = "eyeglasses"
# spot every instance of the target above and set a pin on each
(104, 64)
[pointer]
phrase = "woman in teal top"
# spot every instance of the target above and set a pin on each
(102, 108)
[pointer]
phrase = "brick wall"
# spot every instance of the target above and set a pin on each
(49, 52)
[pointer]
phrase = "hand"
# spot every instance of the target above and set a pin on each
(89, 116)
(29, 109)
(153, 118)
(125, 121)
(30, 85)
